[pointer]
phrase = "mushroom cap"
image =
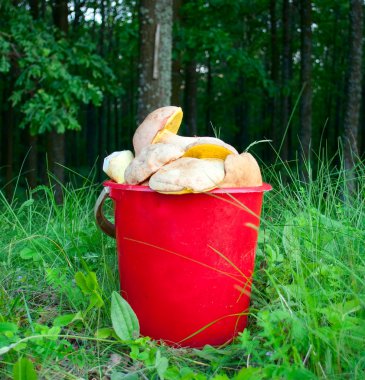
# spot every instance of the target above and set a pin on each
(241, 171)
(188, 175)
(209, 147)
(151, 159)
(165, 117)
(115, 164)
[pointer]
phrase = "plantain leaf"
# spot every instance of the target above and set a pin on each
(91, 281)
(24, 370)
(124, 320)
(104, 333)
(81, 282)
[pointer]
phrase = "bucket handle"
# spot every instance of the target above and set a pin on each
(101, 221)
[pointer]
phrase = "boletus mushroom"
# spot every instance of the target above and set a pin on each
(164, 118)
(188, 175)
(115, 164)
(150, 159)
(241, 171)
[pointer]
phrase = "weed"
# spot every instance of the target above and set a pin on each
(307, 316)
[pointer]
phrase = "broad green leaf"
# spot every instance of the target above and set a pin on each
(124, 320)
(91, 281)
(161, 364)
(55, 331)
(124, 376)
(4, 341)
(300, 374)
(20, 347)
(8, 327)
(104, 333)
(28, 253)
(95, 301)
(81, 282)
(220, 377)
(64, 320)
(24, 370)
(249, 373)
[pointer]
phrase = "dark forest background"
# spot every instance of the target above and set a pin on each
(76, 78)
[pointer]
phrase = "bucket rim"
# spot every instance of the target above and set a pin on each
(231, 190)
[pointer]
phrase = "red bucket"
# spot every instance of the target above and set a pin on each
(185, 261)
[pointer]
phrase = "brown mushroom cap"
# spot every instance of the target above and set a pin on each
(188, 175)
(151, 159)
(166, 117)
(241, 171)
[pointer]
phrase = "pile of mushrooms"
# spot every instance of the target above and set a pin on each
(173, 164)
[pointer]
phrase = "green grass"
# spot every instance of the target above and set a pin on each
(307, 316)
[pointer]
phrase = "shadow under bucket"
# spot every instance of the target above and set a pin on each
(185, 261)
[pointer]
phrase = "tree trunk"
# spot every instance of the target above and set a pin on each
(155, 56)
(60, 15)
(241, 112)
(306, 79)
(8, 138)
(351, 123)
(109, 126)
(116, 126)
(190, 98)
(32, 161)
(78, 13)
(34, 8)
(101, 139)
(331, 61)
(286, 77)
(57, 140)
(274, 70)
(208, 97)
(91, 134)
(176, 76)
(33, 140)
(57, 162)
(43, 9)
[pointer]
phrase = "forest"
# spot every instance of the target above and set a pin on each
(78, 77)
(279, 79)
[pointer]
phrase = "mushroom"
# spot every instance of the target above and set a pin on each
(241, 171)
(165, 118)
(115, 164)
(209, 147)
(150, 159)
(197, 147)
(161, 126)
(188, 175)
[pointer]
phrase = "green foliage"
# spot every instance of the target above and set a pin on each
(24, 370)
(54, 74)
(223, 45)
(307, 311)
(90, 287)
(124, 320)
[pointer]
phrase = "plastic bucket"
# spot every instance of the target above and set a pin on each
(185, 261)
